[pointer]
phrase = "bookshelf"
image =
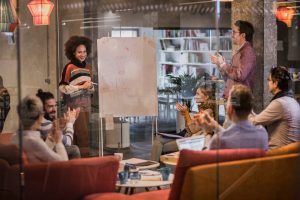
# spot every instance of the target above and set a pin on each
(187, 51)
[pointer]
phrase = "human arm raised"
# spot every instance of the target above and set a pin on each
(183, 109)
(68, 130)
(52, 149)
(243, 64)
(207, 123)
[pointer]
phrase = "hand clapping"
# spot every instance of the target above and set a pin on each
(217, 59)
(183, 109)
(71, 115)
(205, 121)
(56, 133)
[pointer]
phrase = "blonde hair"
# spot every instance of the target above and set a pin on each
(29, 110)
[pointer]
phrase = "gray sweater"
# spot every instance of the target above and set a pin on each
(282, 119)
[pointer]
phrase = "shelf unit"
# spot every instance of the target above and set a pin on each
(187, 51)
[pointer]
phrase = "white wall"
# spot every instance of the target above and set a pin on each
(35, 55)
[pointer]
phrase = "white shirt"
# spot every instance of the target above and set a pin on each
(39, 151)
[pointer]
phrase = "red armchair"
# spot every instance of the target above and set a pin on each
(70, 180)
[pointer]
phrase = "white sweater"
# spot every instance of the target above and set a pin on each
(39, 151)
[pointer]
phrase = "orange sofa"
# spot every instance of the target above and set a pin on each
(239, 174)
(187, 159)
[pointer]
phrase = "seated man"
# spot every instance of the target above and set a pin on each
(49, 104)
(282, 115)
(242, 133)
(205, 103)
(30, 111)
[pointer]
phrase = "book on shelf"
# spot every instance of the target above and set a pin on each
(162, 45)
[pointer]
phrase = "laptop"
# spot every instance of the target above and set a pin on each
(191, 143)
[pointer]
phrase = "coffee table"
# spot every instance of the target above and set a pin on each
(141, 164)
(131, 185)
(170, 159)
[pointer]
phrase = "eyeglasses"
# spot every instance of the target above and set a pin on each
(235, 32)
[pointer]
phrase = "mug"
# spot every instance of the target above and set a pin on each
(123, 177)
(119, 156)
(165, 172)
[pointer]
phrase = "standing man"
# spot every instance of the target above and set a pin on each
(49, 104)
(241, 70)
(4, 104)
(282, 115)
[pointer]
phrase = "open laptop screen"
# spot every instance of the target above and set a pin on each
(192, 143)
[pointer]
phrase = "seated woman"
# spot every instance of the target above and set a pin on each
(30, 111)
(205, 103)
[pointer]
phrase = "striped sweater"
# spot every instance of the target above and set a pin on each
(75, 74)
(68, 131)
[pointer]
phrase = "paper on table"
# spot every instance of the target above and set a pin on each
(149, 172)
(133, 161)
(149, 175)
(151, 178)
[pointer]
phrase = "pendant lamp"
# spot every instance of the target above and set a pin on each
(40, 11)
(285, 14)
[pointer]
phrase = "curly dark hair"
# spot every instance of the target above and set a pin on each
(74, 42)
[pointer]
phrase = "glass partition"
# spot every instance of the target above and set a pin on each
(130, 78)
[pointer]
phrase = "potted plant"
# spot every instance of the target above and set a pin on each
(185, 86)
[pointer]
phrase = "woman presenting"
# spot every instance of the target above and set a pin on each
(77, 87)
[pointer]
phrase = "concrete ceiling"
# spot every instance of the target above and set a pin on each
(191, 6)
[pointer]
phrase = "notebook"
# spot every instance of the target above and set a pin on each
(192, 143)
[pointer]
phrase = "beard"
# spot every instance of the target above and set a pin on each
(50, 116)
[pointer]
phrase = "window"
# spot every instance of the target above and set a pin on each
(124, 32)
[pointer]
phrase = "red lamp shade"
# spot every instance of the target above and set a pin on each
(40, 11)
(285, 15)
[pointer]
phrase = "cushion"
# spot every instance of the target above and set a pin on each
(157, 194)
(189, 158)
(274, 177)
(9, 153)
(72, 179)
(5, 138)
(152, 195)
(287, 149)
(108, 196)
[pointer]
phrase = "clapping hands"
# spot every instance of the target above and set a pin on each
(183, 109)
(217, 59)
(205, 121)
(71, 115)
(56, 133)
